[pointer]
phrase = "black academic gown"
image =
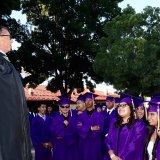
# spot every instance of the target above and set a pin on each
(14, 122)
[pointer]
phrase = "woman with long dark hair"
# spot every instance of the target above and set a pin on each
(126, 137)
(152, 147)
(140, 111)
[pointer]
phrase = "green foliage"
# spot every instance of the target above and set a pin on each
(130, 52)
(64, 40)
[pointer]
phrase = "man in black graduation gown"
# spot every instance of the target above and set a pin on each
(14, 123)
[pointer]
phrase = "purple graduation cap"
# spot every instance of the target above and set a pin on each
(109, 98)
(90, 95)
(81, 98)
(153, 108)
(154, 100)
(64, 100)
(154, 104)
(117, 100)
(126, 100)
(131, 100)
(138, 102)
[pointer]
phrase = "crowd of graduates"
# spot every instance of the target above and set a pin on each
(122, 129)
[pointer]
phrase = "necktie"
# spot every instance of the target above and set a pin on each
(108, 112)
(6, 58)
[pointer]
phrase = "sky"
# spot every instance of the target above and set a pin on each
(138, 5)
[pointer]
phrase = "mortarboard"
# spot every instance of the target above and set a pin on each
(109, 98)
(154, 100)
(81, 98)
(153, 108)
(138, 102)
(117, 100)
(64, 100)
(126, 100)
(130, 99)
(90, 95)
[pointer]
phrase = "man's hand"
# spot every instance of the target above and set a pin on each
(66, 122)
(47, 145)
(79, 124)
(79, 112)
(95, 128)
(116, 158)
(24, 73)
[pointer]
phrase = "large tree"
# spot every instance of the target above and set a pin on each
(130, 52)
(63, 41)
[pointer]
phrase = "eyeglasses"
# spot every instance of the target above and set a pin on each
(122, 105)
(64, 106)
(5, 35)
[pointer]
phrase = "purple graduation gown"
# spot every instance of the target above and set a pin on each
(158, 151)
(40, 133)
(107, 120)
(131, 141)
(64, 138)
(90, 142)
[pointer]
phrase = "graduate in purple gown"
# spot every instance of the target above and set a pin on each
(80, 104)
(63, 130)
(109, 114)
(40, 134)
(98, 107)
(90, 127)
(126, 136)
(140, 110)
(152, 147)
(49, 111)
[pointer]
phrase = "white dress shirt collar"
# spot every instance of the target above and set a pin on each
(42, 116)
(110, 110)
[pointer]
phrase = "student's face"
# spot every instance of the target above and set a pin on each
(140, 112)
(80, 105)
(153, 118)
(42, 109)
(124, 110)
(89, 103)
(99, 110)
(65, 108)
(5, 41)
(49, 109)
(110, 104)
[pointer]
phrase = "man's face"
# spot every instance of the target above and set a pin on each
(110, 104)
(89, 103)
(49, 109)
(5, 41)
(42, 109)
